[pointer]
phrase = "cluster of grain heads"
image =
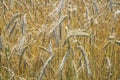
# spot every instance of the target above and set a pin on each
(56, 14)
(42, 22)
(73, 33)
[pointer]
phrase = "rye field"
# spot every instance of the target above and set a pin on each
(59, 39)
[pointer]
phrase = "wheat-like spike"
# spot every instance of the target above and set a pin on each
(12, 20)
(22, 48)
(58, 8)
(110, 5)
(108, 62)
(75, 32)
(58, 23)
(22, 41)
(61, 4)
(87, 13)
(40, 77)
(86, 60)
(11, 31)
(53, 30)
(50, 48)
(64, 59)
(95, 6)
(22, 54)
(24, 23)
(56, 37)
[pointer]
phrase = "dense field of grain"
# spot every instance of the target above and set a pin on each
(59, 40)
